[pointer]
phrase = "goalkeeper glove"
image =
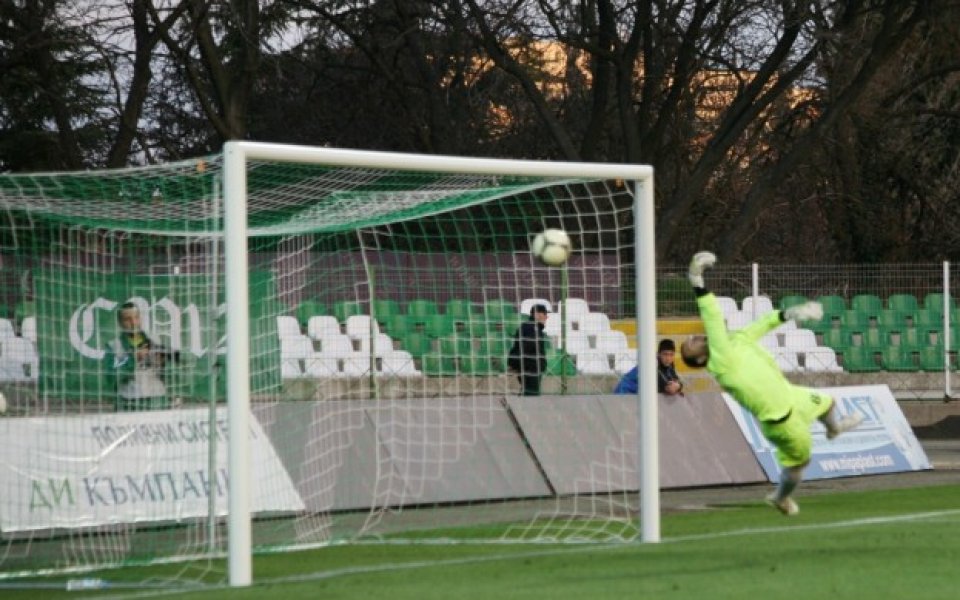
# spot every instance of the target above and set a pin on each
(808, 311)
(700, 261)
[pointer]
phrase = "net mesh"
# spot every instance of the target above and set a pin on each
(383, 304)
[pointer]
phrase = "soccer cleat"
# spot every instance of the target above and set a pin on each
(847, 423)
(786, 506)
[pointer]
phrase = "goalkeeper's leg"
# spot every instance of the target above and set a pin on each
(790, 478)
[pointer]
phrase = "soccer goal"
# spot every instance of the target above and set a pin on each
(286, 347)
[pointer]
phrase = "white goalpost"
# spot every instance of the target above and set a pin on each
(278, 348)
(236, 157)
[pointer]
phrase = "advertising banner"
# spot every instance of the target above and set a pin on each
(74, 472)
(883, 443)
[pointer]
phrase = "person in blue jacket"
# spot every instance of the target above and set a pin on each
(668, 382)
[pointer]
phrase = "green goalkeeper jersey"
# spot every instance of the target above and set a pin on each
(742, 366)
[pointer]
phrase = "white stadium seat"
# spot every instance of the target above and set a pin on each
(319, 326)
(763, 305)
(821, 359)
(593, 362)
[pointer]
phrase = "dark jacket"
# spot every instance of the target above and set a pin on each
(528, 355)
(666, 374)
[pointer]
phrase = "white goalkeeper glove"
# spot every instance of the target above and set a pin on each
(808, 311)
(699, 262)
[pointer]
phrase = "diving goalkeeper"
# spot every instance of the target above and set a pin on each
(745, 370)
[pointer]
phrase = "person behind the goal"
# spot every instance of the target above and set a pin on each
(746, 371)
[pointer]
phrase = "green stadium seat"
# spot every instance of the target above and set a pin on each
(837, 338)
(439, 326)
(897, 358)
(934, 302)
(346, 308)
(926, 320)
(397, 326)
(384, 308)
(561, 364)
(422, 308)
(868, 304)
(477, 364)
(456, 346)
(902, 302)
(910, 338)
(892, 319)
(858, 359)
(932, 358)
(499, 309)
(833, 305)
(854, 320)
(438, 365)
(417, 343)
(460, 309)
(791, 300)
(873, 339)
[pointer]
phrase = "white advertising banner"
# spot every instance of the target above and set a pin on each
(883, 443)
(80, 471)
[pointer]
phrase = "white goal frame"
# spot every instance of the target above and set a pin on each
(236, 154)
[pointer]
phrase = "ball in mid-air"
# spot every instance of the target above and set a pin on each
(552, 247)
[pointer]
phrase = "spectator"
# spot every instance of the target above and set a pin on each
(528, 357)
(668, 382)
(748, 373)
(136, 364)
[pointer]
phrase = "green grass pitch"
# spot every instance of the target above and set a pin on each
(902, 543)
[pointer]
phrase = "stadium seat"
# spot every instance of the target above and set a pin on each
(787, 360)
(287, 327)
(297, 348)
(499, 309)
(28, 329)
(417, 344)
(397, 325)
(527, 303)
(461, 310)
(791, 300)
(820, 360)
(336, 345)
(594, 323)
(382, 345)
(902, 302)
(356, 365)
(624, 360)
(727, 305)
(893, 320)
(873, 339)
(476, 364)
(868, 304)
(384, 309)
(593, 362)
(926, 320)
(358, 327)
(561, 364)
(309, 308)
(934, 302)
(439, 326)
(737, 320)
(399, 363)
(346, 308)
(422, 307)
(494, 347)
(322, 366)
(858, 359)
(855, 320)
(932, 358)
(456, 346)
(319, 326)
(832, 304)
(770, 341)
(612, 341)
(897, 358)
(19, 361)
(909, 337)
(799, 339)
(762, 303)
(436, 364)
(576, 342)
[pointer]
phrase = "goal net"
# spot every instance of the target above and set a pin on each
(383, 293)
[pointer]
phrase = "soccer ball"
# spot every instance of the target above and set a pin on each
(552, 247)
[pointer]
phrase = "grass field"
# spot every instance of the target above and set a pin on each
(902, 543)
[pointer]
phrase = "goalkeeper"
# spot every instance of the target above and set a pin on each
(745, 370)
